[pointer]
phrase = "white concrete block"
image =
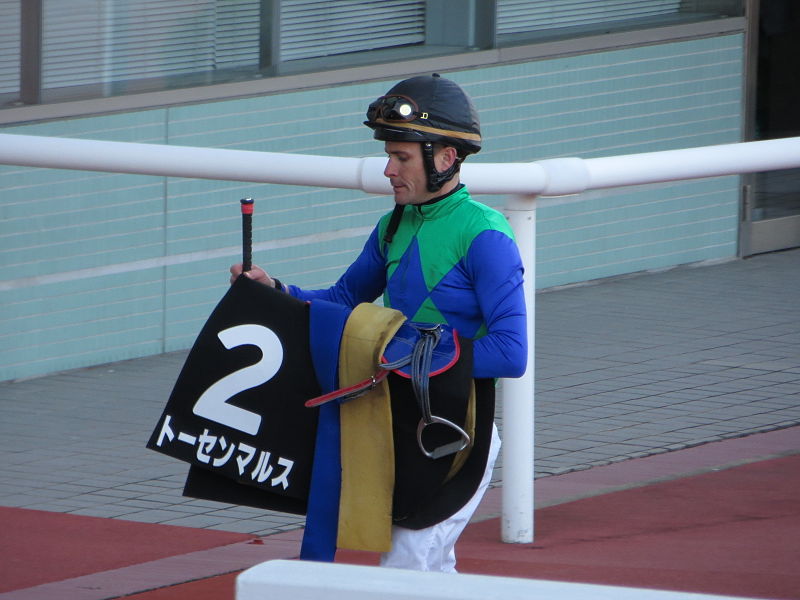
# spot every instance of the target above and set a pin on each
(304, 580)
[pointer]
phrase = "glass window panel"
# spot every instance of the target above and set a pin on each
(9, 46)
(311, 29)
(99, 48)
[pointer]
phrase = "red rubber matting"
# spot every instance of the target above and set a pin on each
(41, 547)
(732, 532)
(221, 587)
(735, 532)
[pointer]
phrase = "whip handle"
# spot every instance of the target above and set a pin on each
(247, 233)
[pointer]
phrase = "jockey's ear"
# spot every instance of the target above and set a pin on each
(444, 157)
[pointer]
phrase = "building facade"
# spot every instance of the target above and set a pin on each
(100, 267)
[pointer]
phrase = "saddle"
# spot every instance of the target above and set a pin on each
(417, 352)
(414, 422)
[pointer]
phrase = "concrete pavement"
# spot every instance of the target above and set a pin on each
(625, 368)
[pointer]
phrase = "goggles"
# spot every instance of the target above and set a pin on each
(394, 109)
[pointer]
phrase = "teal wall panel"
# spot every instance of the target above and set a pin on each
(97, 267)
(74, 323)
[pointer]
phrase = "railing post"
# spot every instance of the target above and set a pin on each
(518, 394)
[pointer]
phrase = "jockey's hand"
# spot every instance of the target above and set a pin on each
(255, 273)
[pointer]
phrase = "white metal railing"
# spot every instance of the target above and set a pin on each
(552, 177)
(523, 181)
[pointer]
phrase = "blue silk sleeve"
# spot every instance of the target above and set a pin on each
(495, 268)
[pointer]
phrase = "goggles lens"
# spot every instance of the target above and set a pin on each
(397, 109)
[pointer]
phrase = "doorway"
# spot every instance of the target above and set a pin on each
(771, 210)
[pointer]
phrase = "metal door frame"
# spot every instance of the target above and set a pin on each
(767, 235)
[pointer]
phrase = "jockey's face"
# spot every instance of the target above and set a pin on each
(406, 171)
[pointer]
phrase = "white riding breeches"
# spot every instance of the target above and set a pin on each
(433, 548)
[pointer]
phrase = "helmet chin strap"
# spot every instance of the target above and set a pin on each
(436, 179)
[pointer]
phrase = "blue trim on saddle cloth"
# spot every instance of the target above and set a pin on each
(327, 321)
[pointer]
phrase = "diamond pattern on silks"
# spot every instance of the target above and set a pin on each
(456, 314)
(406, 289)
(409, 292)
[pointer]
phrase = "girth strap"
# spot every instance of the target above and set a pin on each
(365, 508)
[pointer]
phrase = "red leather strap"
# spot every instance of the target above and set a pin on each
(354, 390)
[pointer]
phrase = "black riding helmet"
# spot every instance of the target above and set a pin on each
(428, 109)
